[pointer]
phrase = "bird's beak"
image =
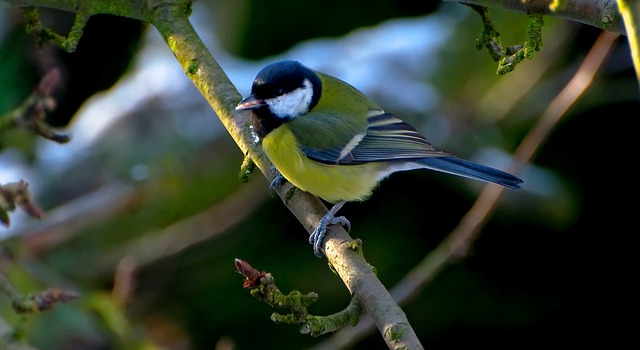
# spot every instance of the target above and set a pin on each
(250, 102)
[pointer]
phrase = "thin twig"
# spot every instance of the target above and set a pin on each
(263, 287)
(40, 301)
(17, 194)
(31, 114)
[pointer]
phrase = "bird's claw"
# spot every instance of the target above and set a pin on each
(317, 236)
(344, 222)
(276, 182)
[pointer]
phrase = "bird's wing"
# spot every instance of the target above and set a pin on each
(386, 138)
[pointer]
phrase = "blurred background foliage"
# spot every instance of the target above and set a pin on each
(145, 219)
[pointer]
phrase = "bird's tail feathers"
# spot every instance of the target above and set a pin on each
(468, 169)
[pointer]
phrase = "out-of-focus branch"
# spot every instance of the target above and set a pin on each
(32, 112)
(65, 222)
(41, 301)
(460, 240)
(17, 194)
(205, 225)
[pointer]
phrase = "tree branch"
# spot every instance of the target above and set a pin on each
(17, 194)
(127, 8)
(263, 287)
(41, 301)
(598, 13)
(31, 114)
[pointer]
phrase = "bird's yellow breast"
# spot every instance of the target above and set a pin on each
(332, 183)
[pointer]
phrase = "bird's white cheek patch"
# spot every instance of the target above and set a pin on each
(293, 103)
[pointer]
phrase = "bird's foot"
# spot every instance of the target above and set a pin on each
(278, 181)
(317, 236)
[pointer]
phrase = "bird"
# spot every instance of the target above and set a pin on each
(327, 138)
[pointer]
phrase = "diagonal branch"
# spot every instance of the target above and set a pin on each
(172, 23)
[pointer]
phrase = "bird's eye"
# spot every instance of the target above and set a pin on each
(281, 91)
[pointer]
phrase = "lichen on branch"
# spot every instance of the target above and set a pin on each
(263, 288)
(508, 57)
(43, 34)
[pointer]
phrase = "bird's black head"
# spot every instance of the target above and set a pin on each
(281, 78)
(280, 92)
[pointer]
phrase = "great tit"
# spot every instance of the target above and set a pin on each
(327, 138)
